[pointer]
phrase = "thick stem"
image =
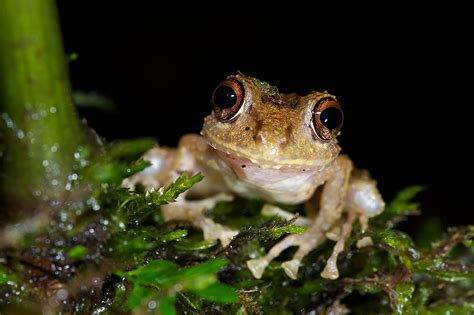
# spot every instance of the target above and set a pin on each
(40, 126)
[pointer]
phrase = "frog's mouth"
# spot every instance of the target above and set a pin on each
(283, 184)
(239, 160)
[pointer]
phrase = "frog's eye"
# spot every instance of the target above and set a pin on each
(327, 119)
(227, 99)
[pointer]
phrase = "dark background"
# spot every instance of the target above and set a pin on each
(403, 76)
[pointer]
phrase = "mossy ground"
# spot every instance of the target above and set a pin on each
(108, 251)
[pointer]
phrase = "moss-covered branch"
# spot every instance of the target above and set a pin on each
(39, 124)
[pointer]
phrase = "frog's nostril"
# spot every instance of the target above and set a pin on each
(258, 138)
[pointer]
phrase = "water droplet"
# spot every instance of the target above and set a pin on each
(8, 121)
(74, 176)
(20, 134)
(52, 110)
(54, 182)
(68, 186)
(45, 163)
(54, 147)
(63, 216)
(34, 116)
(152, 304)
(62, 294)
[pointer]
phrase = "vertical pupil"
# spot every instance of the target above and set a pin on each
(331, 118)
(225, 97)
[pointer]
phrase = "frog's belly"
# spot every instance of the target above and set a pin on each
(287, 191)
(284, 185)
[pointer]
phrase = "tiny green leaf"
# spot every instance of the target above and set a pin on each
(193, 246)
(166, 305)
(396, 239)
(108, 172)
(173, 235)
(402, 202)
(77, 252)
(137, 167)
(444, 270)
(278, 231)
(211, 266)
(404, 294)
(183, 183)
(155, 272)
(130, 148)
(137, 296)
(91, 99)
(72, 57)
(217, 292)
(5, 277)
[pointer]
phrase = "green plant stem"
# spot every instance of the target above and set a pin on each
(40, 126)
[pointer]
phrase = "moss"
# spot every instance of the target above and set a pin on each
(112, 245)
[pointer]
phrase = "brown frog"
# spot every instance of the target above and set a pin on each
(259, 143)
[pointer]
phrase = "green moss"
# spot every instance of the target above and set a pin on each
(77, 252)
(151, 265)
(164, 280)
(7, 278)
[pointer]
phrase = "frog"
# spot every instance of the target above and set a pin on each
(282, 148)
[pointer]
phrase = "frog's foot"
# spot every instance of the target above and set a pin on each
(194, 211)
(306, 242)
(330, 271)
(272, 210)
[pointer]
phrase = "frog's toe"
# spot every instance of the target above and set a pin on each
(226, 236)
(330, 271)
(215, 231)
(291, 268)
(257, 267)
(211, 202)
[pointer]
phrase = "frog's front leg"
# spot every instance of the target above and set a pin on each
(167, 165)
(331, 206)
(194, 211)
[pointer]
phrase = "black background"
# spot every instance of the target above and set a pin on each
(402, 74)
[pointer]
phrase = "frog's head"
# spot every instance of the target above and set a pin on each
(252, 121)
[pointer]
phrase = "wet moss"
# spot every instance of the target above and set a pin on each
(109, 251)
